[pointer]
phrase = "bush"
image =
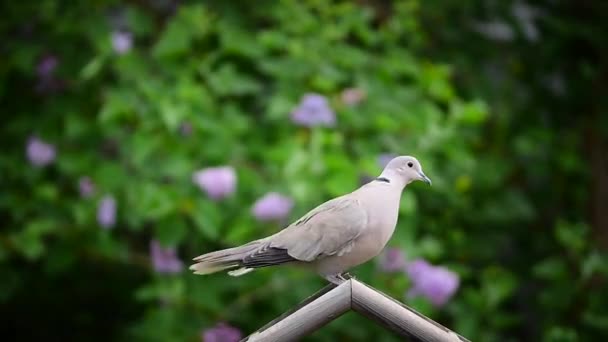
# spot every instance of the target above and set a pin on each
(110, 120)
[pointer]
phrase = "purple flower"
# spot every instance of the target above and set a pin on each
(384, 158)
(313, 110)
(185, 129)
(436, 283)
(46, 66)
(217, 182)
(417, 267)
(222, 332)
(352, 96)
(86, 187)
(392, 260)
(106, 212)
(47, 82)
(164, 260)
(122, 41)
(39, 153)
(272, 206)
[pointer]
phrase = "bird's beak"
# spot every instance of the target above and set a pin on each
(425, 179)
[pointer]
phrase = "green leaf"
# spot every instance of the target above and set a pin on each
(92, 68)
(170, 289)
(571, 235)
(551, 269)
(226, 80)
(29, 245)
(172, 114)
(171, 230)
(153, 201)
(190, 23)
(206, 219)
(471, 113)
(436, 80)
(29, 241)
(594, 263)
(117, 106)
(560, 334)
(497, 285)
(430, 247)
(408, 204)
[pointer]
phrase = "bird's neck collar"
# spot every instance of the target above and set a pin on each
(390, 177)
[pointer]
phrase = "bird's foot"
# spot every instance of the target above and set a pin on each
(337, 279)
(348, 276)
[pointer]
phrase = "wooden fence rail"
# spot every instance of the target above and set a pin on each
(332, 301)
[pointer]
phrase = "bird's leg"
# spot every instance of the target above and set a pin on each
(347, 276)
(336, 279)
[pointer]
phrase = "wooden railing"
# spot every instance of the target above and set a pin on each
(332, 301)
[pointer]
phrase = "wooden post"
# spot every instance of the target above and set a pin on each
(316, 311)
(333, 301)
(397, 317)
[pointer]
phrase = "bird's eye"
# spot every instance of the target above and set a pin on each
(410, 164)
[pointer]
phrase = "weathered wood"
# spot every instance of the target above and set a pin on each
(332, 301)
(398, 317)
(302, 304)
(310, 315)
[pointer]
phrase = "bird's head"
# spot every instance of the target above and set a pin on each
(404, 169)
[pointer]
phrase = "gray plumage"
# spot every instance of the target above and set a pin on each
(333, 237)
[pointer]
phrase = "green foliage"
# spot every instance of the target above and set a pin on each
(214, 83)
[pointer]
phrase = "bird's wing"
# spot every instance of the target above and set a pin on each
(329, 229)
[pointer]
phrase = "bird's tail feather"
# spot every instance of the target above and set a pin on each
(208, 268)
(225, 259)
(240, 271)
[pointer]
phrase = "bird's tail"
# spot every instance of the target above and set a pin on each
(225, 259)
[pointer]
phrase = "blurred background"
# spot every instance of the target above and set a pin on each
(139, 134)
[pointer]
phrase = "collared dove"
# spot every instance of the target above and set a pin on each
(332, 238)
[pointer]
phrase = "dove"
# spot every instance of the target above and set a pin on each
(332, 238)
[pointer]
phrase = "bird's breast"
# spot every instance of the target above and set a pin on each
(381, 222)
(382, 218)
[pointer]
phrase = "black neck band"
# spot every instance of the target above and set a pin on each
(383, 179)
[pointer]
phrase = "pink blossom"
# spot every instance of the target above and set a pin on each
(217, 182)
(164, 260)
(106, 212)
(436, 283)
(272, 206)
(122, 42)
(313, 110)
(352, 96)
(392, 260)
(86, 187)
(46, 66)
(40, 153)
(222, 332)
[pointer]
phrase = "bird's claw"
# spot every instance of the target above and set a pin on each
(348, 276)
(338, 279)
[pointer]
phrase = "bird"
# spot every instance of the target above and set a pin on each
(332, 238)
